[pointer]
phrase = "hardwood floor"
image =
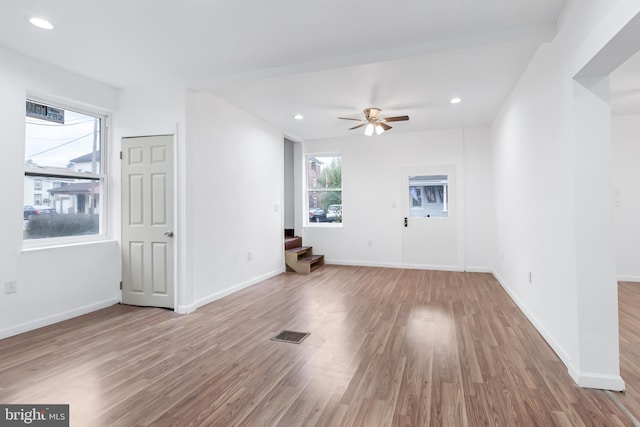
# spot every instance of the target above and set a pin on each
(388, 347)
(629, 321)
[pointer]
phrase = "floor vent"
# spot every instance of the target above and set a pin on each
(291, 337)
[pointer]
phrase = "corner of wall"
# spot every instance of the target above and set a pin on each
(597, 381)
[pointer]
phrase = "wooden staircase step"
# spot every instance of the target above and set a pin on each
(300, 258)
(292, 242)
(299, 249)
(312, 259)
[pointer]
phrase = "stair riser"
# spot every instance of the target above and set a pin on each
(300, 258)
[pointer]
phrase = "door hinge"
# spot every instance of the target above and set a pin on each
(120, 285)
(121, 155)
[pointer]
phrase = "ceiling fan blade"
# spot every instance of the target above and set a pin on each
(358, 126)
(385, 126)
(348, 118)
(396, 119)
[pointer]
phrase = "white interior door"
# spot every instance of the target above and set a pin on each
(147, 221)
(429, 208)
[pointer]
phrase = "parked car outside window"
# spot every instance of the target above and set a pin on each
(334, 213)
(317, 215)
(31, 211)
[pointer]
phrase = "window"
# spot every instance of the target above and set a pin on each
(324, 188)
(63, 172)
(429, 196)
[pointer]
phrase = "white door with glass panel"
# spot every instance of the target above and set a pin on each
(429, 223)
(147, 221)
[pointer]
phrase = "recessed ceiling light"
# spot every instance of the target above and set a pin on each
(41, 23)
(298, 117)
(456, 100)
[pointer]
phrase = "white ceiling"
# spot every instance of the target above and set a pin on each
(321, 59)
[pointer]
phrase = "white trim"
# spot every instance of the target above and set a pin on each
(622, 278)
(306, 189)
(186, 309)
(323, 224)
(50, 320)
(583, 379)
(102, 178)
(394, 265)
(478, 270)
(564, 357)
(64, 242)
(58, 173)
(410, 266)
(599, 381)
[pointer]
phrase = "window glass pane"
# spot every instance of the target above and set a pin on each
(72, 144)
(324, 172)
(324, 188)
(67, 207)
(429, 196)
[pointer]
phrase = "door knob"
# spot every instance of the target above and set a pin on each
(168, 233)
(405, 221)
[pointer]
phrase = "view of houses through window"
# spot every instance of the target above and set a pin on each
(63, 173)
(324, 188)
(429, 196)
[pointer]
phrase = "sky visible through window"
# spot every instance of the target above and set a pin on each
(54, 145)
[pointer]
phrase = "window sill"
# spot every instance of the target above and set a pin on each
(62, 242)
(324, 225)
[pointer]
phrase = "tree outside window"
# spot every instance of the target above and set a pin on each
(324, 188)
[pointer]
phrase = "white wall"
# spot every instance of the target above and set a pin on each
(234, 176)
(626, 174)
(54, 283)
(373, 192)
(288, 203)
(479, 201)
(552, 153)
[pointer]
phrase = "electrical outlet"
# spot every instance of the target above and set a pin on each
(10, 287)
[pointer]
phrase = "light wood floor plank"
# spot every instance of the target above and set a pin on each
(629, 329)
(388, 347)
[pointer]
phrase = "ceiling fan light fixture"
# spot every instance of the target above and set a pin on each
(369, 129)
(374, 122)
(298, 117)
(456, 100)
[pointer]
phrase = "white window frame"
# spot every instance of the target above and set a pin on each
(102, 177)
(308, 223)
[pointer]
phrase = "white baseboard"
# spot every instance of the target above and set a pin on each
(186, 309)
(583, 379)
(623, 278)
(410, 266)
(392, 265)
(564, 357)
(479, 270)
(59, 317)
(602, 382)
(221, 294)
